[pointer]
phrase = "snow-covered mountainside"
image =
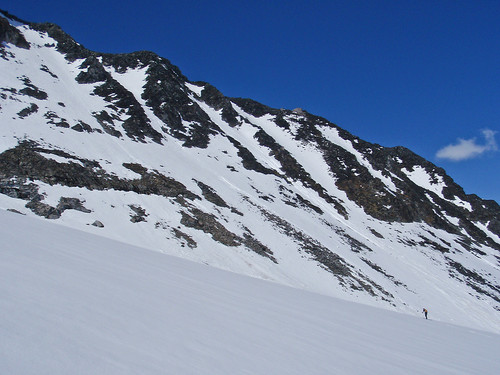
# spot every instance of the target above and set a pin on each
(85, 304)
(127, 147)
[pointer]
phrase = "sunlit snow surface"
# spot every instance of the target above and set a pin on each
(75, 303)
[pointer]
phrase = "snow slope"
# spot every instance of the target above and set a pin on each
(73, 302)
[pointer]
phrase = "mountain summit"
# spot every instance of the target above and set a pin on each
(124, 145)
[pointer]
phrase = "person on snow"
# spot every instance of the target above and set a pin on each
(425, 312)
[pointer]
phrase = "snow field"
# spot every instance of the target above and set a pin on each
(73, 302)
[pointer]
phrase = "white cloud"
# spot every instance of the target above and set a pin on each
(469, 148)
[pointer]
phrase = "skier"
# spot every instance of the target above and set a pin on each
(425, 312)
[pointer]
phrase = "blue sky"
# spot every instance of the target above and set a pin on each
(420, 74)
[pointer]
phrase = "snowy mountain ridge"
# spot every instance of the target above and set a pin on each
(127, 147)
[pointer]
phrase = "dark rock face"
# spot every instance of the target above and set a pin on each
(208, 223)
(19, 188)
(139, 214)
(408, 203)
(255, 245)
(65, 43)
(32, 90)
(166, 95)
(185, 238)
(248, 159)
(82, 127)
(98, 224)
(49, 212)
(45, 68)
(33, 108)
(164, 92)
(54, 119)
(217, 101)
(95, 71)
(254, 108)
(72, 204)
(137, 126)
(292, 169)
(10, 34)
(26, 161)
(210, 195)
